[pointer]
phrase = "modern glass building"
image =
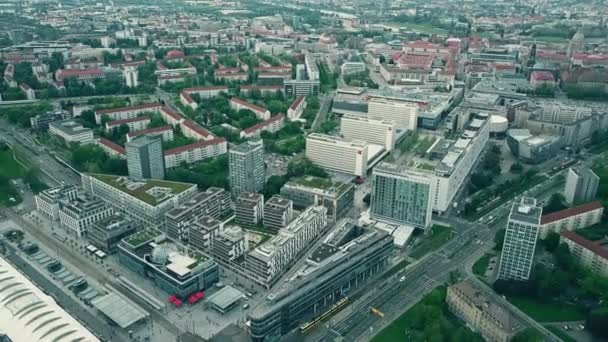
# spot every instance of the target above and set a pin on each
(401, 195)
(145, 159)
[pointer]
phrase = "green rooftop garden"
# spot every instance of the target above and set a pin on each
(321, 183)
(140, 192)
(141, 237)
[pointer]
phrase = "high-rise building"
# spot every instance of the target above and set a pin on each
(130, 74)
(379, 132)
(249, 209)
(278, 212)
(405, 114)
(518, 248)
(402, 196)
(246, 167)
(581, 185)
(337, 154)
(145, 158)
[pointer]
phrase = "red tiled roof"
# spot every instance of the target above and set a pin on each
(150, 130)
(562, 214)
(126, 121)
(595, 247)
(171, 113)
(236, 74)
(193, 89)
(170, 77)
(227, 70)
(542, 76)
(124, 109)
(112, 145)
(248, 105)
(278, 67)
(202, 143)
(25, 86)
(296, 102)
(263, 87)
(264, 123)
(198, 129)
(186, 97)
(78, 72)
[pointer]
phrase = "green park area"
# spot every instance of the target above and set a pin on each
(9, 169)
(550, 311)
(428, 320)
(481, 265)
(436, 238)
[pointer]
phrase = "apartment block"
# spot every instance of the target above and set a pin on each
(278, 212)
(571, 219)
(249, 209)
(49, 201)
(246, 167)
(126, 112)
(581, 185)
(193, 153)
(145, 158)
(591, 254)
(80, 214)
(213, 203)
(203, 231)
(337, 154)
(229, 244)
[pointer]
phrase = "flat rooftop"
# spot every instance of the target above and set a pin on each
(141, 237)
(324, 184)
(225, 298)
(121, 311)
(151, 191)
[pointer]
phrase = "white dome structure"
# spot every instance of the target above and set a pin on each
(498, 124)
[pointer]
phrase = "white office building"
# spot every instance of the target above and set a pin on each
(80, 214)
(379, 132)
(517, 256)
(405, 114)
(337, 154)
(71, 131)
(49, 201)
(581, 185)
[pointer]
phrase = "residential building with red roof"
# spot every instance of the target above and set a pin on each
(134, 124)
(296, 108)
(590, 60)
(170, 116)
(166, 132)
(591, 254)
(170, 79)
(206, 92)
(570, 219)
(538, 78)
(588, 78)
(271, 125)
(126, 112)
(29, 92)
(238, 104)
(79, 74)
(239, 76)
(194, 131)
(195, 152)
(112, 148)
(264, 89)
(425, 47)
(283, 69)
(550, 56)
(187, 100)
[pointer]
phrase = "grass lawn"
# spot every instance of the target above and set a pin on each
(438, 236)
(9, 169)
(547, 312)
(420, 28)
(560, 333)
(481, 265)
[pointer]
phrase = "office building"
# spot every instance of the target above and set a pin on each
(337, 197)
(517, 256)
(71, 131)
(81, 213)
(478, 310)
(346, 260)
(591, 254)
(213, 203)
(405, 114)
(229, 244)
(402, 196)
(172, 267)
(579, 217)
(299, 87)
(202, 232)
(372, 131)
(145, 202)
(249, 209)
(41, 122)
(274, 257)
(30, 314)
(581, 185)
(49, 201)
(145, 158)
(278, 212)
(337, 154)
(246, 167)
(108, 232)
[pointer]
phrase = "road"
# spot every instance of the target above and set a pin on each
(326, 101)
(89, 268)
(95, 324)
(25, 145)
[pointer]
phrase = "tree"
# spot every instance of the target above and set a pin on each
(556, 203)
(276, 107)
(304, 166)
(551, 242)
(597, 321)
(274, 185)
(499, 238)
(517, 168)
(528, 335)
